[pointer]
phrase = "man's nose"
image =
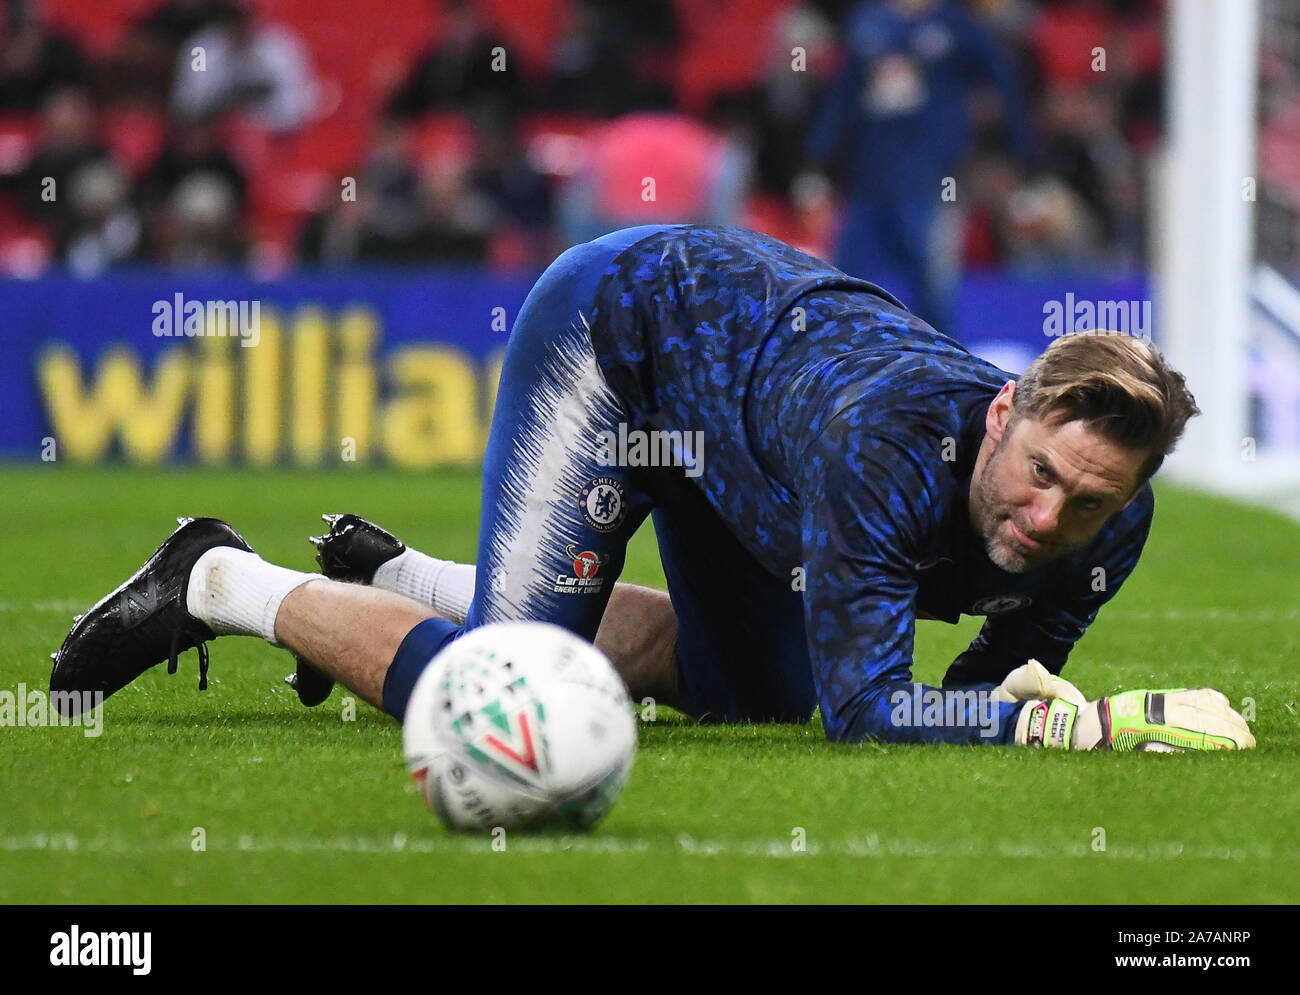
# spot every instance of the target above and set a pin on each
(1045, 514)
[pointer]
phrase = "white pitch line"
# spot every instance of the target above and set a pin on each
(1208, 615)
(866, 848)
(58, 607)
(1121, 615)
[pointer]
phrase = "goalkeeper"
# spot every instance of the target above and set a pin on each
(823, 469)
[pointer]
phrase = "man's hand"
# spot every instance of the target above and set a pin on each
(1171, 720)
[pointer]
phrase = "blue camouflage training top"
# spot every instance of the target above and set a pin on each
(841, 434)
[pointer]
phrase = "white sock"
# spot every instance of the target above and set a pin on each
(238, 593)
(447, 587)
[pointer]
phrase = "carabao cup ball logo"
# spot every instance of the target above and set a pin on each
(602, 503)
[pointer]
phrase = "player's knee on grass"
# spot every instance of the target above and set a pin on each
(639, 635)
(741, 649)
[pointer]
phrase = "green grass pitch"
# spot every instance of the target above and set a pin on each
(300, 805)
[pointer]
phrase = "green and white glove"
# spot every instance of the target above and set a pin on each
(1171, 720)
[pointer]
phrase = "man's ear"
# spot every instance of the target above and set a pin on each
(999, 413)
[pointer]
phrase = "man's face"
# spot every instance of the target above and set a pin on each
(1041, 490)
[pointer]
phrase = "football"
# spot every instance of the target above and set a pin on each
(519, 725)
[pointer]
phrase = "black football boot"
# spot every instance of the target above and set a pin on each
(142, 623)
(351, 551)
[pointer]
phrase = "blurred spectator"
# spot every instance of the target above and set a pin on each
(176, 20)
(139, 70)
(648, 168)
(137, 73)
(605, 61)
(1068, 37)
(457, 72)
(201, 225)
(332, 236)
(1084, 147)
(192, 159)
(900, 105)
(519, 195)
(403, 213)
(785, 100)
(586, 71)
(648, 28)
(395, 222)
(1048, 228)
(192, 148)
(73, 187)
(990, 180)
(386, 222)
(66, 147)
(33, 61)
(104, 228)
(1137, 68)
(460, 218)
(1033, 225)
(260, 69)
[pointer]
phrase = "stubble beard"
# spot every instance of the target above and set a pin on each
(988, 519)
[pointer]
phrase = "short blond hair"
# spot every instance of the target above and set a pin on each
(1119, 385)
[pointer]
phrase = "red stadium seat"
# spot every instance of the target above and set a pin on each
(97, 24)
(531, 28)
(19, 134)
(1063, 38)
(26, 249)
(133, 136)
(705, 68)
(444, 137)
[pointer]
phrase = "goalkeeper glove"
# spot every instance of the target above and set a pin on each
(1033, 680)
(1168, 721)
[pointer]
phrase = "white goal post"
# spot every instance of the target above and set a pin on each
(1229, 322)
